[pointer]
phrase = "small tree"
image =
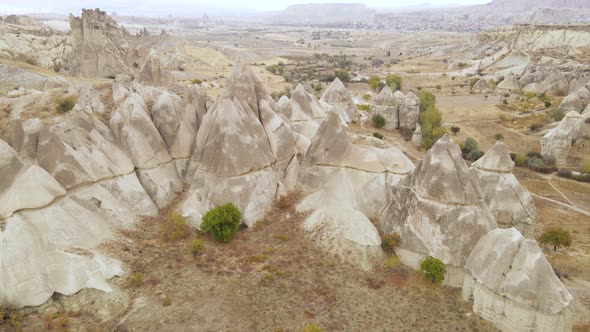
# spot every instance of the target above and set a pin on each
(374, 81)
(390, 241)
(394, 82)
(455, 130)
(470, 145)
(222, 222)
(378, 120)
(433, 269)
(499, 137)
(556, 237)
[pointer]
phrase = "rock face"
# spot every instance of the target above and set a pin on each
(576, 101)
(98, 47)
(482, 86)
(242, 154)
(510, 83)
(439, 211)
(348, 185)
(511, 284)
(558, 141)
(409, 111)
(510, 204)
(152, 73)
(387, 106)
(337, 96)
(303, 111)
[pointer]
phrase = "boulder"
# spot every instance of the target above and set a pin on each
(439, 211)
(337, 95)
(417, 136)
(510, 204)
(511, 283)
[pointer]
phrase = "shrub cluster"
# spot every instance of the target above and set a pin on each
(471, 149)
(65, 104)
(222, 222)
(430, 119)
(390, 241)
(433, 269)
(378, 135)
(174, 227)
(378, 120)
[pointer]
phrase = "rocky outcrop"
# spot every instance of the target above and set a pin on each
(439, 211)
(152, 73)
(348, 185)
(387, 106)
(243, 151)
(555, 83)
(409, 111)
(576, 101)
(482, 86)
(510, 83)
(303, 111)
(511, 284)
(337, 96)
(558, 141)
(417, 136)
(510, 204)
(98, 46)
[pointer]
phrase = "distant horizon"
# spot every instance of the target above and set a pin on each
(183, 8)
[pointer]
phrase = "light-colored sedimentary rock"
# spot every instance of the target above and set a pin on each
(439, 211)
(243, 151)
(558, 141)
(417, 136)
(98, 46)
(409, 111)
(510, 83)
(482, 86)
(337, 96)
(511, 283)
(508, 201)
(387, 106)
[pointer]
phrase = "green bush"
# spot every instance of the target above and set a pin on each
(535, 126)
(394, 82)
(499, 137)
(343, 75)
(455, 130)
(65, 104)
(474, 155)
(196, 247)
(547, 104)
(378, 135)
(196, 81)
(557, 114)
(378, 121)
(312, 328)
(473, 81)
(222, 222)
(433, 269)
(556, 237)
(374, 81)
(363, 107)
(469, 145)
(520, 160)
(366, 97)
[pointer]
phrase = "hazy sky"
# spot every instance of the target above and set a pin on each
(186, 7)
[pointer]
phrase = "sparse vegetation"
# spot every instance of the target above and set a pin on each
(174, 227)
(137, 279)
(499, 137)
(433, 269)
(196, 247)
(343, 75)
(430, 119)
(222, 222)
(196, 81)
(392, 262)
(394, 82)
(473, 81)
(520, 160)
(390, 241)
(312, 328)
(64, 104)
(378, 121)
(363, 107)
(535, 126)
(366, 97)
(286, 201)
(374, 82)
(377, 135)
(556, 237)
